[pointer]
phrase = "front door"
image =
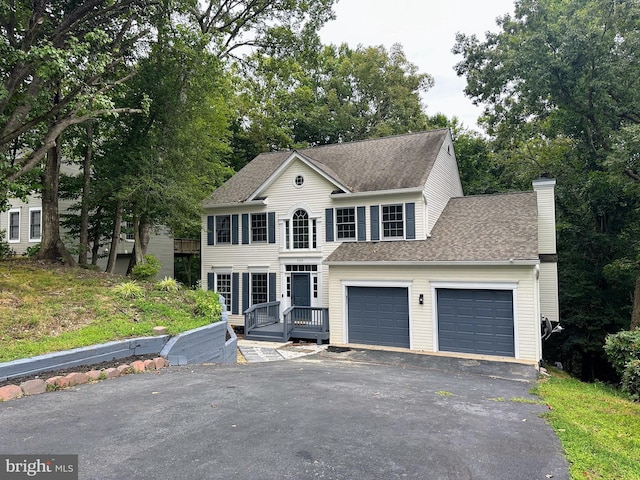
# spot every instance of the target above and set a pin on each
(300, 290)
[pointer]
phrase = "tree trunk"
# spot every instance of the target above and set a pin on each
(51, 246)
(86, 184)
(141, 236)
(635, 314)
(115, 237)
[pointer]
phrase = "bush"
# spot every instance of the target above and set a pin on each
(621, 348)
(32, 250)
(207, 304)
(168, 284)
(631, 379)
(147, 270)
(5, 249)
(129, 290)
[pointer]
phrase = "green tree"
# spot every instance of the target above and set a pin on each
(559, 83)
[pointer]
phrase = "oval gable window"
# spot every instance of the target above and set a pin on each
(298, 181)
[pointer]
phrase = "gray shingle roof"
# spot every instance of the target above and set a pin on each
(363, 166)
(477, 228)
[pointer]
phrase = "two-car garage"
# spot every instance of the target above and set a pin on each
(467, 320)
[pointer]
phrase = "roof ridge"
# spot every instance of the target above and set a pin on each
(364, 140)
(519, 192)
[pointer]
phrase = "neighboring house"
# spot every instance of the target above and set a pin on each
(379, 234)
(22, 224)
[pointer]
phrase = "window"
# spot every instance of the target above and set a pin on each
(392, 221)
(258, 227)
(300, 229)
(223, 228)
(223, 287)
(298, 181)
(14, 225)
(346, 223)
(259, 288)
(127, 228)
(35, 224)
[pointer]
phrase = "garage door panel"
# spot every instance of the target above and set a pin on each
(378, 316)
(476, 321)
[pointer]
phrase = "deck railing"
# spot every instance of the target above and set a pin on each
(260, 315)
(307, 322)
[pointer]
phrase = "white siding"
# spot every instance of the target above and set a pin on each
(421, 278)
(544, 189)
(549, 291)
(283, 198)
(442, 184)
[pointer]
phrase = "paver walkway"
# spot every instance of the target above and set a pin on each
(257, 352)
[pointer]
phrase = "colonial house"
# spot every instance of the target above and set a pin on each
(375, 242)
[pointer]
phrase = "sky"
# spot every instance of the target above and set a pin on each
(426, 30)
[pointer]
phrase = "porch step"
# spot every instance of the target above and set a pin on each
(266, 337)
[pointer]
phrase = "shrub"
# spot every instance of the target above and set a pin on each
(129, 290)
(631, 379)
(32, 250)
(147, 270)
(5, 249)
(621, 348)
(168, 284)
(207, 304)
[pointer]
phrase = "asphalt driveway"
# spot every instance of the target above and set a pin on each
(350, 415)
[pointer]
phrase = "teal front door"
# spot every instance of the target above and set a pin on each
(300, 290)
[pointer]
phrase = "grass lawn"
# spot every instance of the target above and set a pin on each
(598, 426)
(46, 308)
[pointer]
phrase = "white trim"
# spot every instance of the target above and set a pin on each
(295, 155)
(19, 212)
(375, 283)
(435, 263)
(375, 193)
(513, 286)
(35, 209)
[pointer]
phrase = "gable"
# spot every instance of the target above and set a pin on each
(390, 163)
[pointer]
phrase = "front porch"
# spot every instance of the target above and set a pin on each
(263, 322)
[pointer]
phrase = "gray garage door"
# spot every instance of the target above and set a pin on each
(476, 321)
(378, 316)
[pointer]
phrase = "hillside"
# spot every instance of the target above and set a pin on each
(46, 308)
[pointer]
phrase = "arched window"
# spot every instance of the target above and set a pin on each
(300, 224)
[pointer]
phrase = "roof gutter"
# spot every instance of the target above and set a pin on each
(227, 206)
(397, 191)
(435, 263)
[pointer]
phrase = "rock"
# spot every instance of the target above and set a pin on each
(160, 362)
(159, 330)
(77, 378)
(111, 373)
(33, 387)
(94, 375)
(137, 366)
(9, 392)
(123, 369)
(149, 365)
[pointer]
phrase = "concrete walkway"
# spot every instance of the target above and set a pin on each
(257, 352)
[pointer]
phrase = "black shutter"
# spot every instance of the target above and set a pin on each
(410, 211)
(271, 286)
(234, 229)
(245, 291)
(271, 224)
(245, 228)
(235, 290)
(328, 213)
(362, 224)
(375, 218)
(210, 280)
(210, 230)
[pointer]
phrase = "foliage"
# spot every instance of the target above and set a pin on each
(207, 304)
(621, 348)
(559, 84)
(32, 250)
(325, 94)
(597, 426)
(168, 284)
(5, 248)
(147, 270)
(129, 290)
(631, 379)
(47, 308)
